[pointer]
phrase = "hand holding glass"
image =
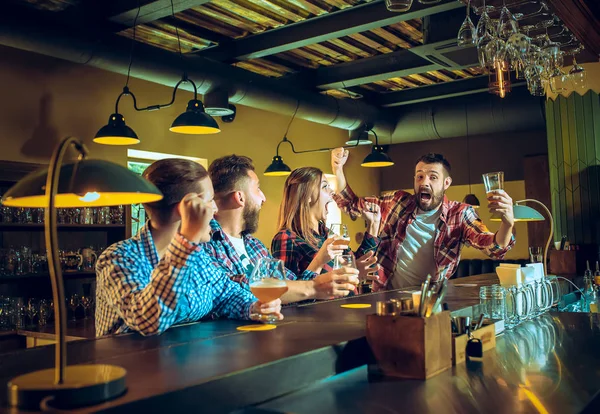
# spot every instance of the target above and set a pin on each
(267, 283)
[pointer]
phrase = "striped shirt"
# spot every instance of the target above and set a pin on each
(138, 292)
(458, 225)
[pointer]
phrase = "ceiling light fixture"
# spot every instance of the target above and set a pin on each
(377, 158)
(194, 120)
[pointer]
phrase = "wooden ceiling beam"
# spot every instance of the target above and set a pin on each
(124, 11)
(319, 29)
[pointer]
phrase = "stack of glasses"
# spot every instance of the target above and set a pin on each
(520, 302)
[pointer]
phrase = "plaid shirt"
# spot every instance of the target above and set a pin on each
(224, 255)
(459, 225)
(297, 254)
(137, 291)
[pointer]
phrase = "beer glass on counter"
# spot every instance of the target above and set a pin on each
(267, 283)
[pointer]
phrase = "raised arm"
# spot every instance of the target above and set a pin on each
(477, 235)
(356, 206)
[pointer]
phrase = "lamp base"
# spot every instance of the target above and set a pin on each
(84, 385)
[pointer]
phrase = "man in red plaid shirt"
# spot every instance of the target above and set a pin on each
(424, 233)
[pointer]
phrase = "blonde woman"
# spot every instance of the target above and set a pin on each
(303, 241)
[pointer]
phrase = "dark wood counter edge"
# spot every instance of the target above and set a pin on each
(343, 347)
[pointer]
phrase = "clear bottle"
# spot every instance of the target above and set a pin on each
(597, 275)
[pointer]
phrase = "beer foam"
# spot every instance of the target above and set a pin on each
(269, 283)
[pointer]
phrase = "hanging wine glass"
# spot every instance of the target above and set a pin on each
(507, 25)
(578, 76)
(466, 33)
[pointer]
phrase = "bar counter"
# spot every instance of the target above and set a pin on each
(315, 362)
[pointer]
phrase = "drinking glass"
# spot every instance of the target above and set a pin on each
(340, 230)
(535, 255)
(466, 33)
(398, 5)
(267, 282)
(44, 313)
(348, 260)
(32, 310)
(493, 181)
(86, 303)
(493, 301)
(74, 303)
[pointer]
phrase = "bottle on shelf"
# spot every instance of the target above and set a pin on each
(597, 275)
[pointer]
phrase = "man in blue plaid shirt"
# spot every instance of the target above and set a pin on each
(232, 246)
(162, 276)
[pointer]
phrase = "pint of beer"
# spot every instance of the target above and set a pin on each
(267, 282)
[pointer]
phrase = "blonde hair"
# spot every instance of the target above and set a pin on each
(300, 194)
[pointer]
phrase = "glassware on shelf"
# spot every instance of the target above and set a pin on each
(73, 302)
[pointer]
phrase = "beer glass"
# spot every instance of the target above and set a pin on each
(493, 181)
(340, 230)
(347, 260)
(267, 282)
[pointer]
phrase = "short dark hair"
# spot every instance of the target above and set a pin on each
(432, 158)
(174, 177)
(227, 172)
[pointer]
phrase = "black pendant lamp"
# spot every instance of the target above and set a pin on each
(195, 121)
(116, 132)
(277, 168)
(470, 198)
(377, 158)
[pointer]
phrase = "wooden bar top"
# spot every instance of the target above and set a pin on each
(211, 367)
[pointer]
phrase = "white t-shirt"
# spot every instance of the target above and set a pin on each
(240, 248)
(415, 256)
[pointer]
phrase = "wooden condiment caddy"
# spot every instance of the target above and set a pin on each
(486, 334)
(410, 347)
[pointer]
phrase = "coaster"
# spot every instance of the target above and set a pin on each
(356, 306)
(265, 327)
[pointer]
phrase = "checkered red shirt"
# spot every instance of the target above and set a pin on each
(459, 225)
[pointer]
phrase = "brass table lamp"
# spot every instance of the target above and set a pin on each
(83, 183)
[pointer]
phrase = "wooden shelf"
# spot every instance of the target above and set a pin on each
(29, 276)
(74, 227)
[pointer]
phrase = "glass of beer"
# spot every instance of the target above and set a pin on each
(267, 283)
(348, 260)
(340, 230)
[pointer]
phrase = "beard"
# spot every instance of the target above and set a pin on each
(428, 200)
(251, 216)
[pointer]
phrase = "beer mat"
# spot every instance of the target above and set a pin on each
(261, 327)
(356, 306)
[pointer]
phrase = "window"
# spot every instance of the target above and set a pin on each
(135, 164)
(334, 214)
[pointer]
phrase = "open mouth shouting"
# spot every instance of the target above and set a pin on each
(425, 196)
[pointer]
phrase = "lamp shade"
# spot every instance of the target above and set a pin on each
(472, 200)
(195, 121)
(116, 132)
(522, 213)
(377, 158)
(85, 183)
(277, 168)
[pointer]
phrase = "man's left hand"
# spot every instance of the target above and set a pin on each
(500, 202)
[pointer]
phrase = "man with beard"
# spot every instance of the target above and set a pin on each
(424, 233)
(232, 246)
